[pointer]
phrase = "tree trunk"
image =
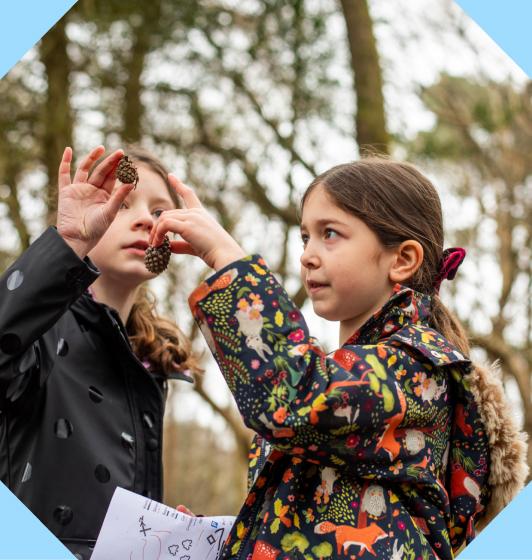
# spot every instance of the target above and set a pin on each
(57, 118)
(133, 109)
(143, 36)
(12, 202)
(370, 119)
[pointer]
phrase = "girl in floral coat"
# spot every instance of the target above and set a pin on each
(394, 446)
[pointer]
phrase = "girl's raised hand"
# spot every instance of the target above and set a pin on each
(86, 205)
(203, 236)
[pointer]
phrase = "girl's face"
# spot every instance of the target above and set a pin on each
(120, 252)
(344, 267)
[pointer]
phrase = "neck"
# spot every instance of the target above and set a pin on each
(350, 326)
(109, 291)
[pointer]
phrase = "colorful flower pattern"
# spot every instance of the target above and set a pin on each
(374, 451)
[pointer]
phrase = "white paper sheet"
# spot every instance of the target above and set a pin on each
(137, 528)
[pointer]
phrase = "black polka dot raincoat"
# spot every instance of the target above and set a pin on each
(79, 413)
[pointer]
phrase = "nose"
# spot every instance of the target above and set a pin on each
(309, 258)
(143, 220)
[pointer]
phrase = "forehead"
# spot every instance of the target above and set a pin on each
(320, 207)
(151, 186)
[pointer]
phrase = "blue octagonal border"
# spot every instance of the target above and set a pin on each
(22, 24)
(508, 24)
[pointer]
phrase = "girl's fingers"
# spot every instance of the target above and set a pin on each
(109, 181)
(186, 193)
(63, 178)
(112, 206)
(82, 171)
(159, 231)
(182, 248)
(103, 175)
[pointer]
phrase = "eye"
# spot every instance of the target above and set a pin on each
(157, 213)
(304, 239)
(123, 205)
(330, 233)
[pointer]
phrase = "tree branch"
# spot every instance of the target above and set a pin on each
(242, 434)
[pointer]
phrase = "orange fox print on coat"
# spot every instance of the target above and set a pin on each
(347, 536)
(205, 289)
(461, 420)
(388, 440)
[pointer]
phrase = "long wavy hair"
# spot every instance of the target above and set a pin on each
(155, 338)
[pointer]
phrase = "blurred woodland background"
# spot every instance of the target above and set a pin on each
(247, 101)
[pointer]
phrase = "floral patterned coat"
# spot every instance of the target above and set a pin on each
(376, 450)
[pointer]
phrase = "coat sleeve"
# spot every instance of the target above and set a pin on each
(34, 292)
(347, 405)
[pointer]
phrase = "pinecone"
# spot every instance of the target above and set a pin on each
(156, 259)
(126, 172)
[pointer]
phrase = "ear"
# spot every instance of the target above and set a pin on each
(408, 259)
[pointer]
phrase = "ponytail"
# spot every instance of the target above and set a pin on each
(447, 323)
(508, 447)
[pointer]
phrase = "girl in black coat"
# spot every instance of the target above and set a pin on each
(84, 357)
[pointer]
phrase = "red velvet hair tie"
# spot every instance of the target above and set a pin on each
(450, 261)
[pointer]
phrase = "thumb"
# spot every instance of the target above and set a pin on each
(182, 248)
(112, 206)
(185, 510)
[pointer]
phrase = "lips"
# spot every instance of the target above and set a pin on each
(142, 245)
(314, 286)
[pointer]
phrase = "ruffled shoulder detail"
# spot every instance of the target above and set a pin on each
(429, 343)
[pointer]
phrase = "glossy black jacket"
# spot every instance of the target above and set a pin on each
(79, 413)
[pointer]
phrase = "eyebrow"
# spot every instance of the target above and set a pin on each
(162, 201)
(156, 200)
(323, 222)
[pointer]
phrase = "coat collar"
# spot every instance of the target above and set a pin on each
(94, 312)
(404, 320)
(404, 307)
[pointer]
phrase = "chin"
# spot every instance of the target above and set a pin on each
(328, 314)
(133, 275)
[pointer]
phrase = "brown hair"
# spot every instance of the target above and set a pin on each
(155, 338)
(397, 203)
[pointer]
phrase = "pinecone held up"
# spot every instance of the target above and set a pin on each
(126, 172)
(156, 259)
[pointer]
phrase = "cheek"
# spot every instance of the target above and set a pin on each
(99, 254)
(107, 246)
